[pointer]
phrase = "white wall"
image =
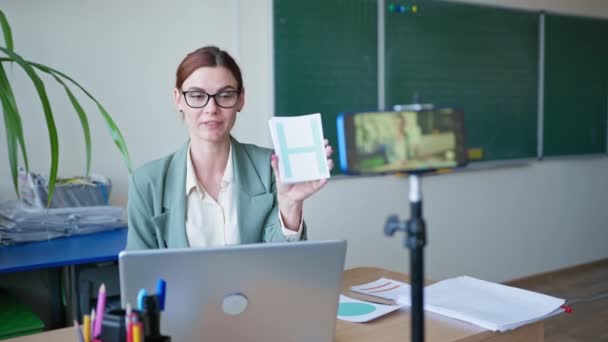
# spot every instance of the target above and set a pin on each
(495, 224)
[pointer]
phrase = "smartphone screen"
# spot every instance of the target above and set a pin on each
(385, 142)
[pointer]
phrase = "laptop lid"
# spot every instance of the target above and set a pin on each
(255, 292)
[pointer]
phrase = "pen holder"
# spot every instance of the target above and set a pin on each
(114, 326)
(151, 320)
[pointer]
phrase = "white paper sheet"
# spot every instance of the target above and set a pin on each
(353, 310)
(490, 305)
(298, 142)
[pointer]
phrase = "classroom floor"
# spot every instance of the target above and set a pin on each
(585, 289)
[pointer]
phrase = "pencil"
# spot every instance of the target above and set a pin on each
(101, 306)
(128, 324)
(92, 323)
(78, 331)
(137, 331)
(371, 298)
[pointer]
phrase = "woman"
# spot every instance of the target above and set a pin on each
(398, 143)
(214, 191)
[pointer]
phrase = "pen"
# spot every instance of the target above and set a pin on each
(161, 290)
(101, 304)
(141, 299)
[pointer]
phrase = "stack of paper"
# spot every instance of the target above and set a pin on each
(489, 305)
(22, 223)
(354, 310)
(493, 306)
(387, 289)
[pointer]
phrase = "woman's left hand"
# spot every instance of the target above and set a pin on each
(292, 196)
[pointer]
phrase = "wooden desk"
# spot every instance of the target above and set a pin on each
(396, 326)
(392, 327)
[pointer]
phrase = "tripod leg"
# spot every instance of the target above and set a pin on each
(417, 283)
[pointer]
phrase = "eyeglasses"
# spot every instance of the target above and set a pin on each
(199, 99)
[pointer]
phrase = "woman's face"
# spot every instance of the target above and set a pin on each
(211, 123)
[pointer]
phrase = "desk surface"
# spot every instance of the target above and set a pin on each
(73, 250)
(392, 327)
(396, 326)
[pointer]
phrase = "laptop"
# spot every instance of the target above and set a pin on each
(256, 292)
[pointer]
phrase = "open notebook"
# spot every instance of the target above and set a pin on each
(490, 305)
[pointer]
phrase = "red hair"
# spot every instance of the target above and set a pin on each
(208, 56)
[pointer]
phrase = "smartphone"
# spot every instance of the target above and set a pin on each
(407, 141)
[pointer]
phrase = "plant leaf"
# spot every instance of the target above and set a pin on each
(18, 129)
(84, 122)
(6, 30)
(48, 113)
(11, 142)
(117, 137)
(119, 140)
(13, 128)
(11, 139)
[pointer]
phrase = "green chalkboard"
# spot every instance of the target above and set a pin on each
(478, 58)
(576, 85)
(481, 59)
(325, 59)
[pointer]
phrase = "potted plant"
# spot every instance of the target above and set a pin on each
(12, 118)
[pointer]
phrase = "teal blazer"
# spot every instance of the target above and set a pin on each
(157, 200)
